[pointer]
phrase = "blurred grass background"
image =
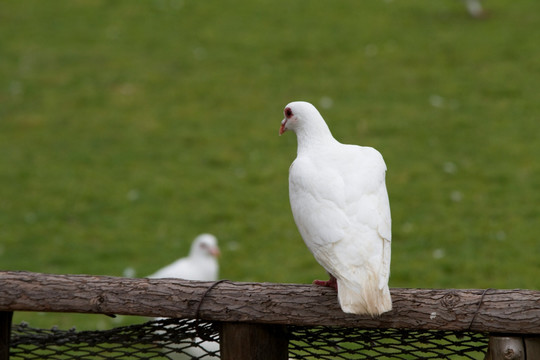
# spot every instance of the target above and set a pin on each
(127, 128)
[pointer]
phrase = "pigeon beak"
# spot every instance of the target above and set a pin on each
(282, 128)
(215, 252)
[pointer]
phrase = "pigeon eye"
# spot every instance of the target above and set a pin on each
(288, 112)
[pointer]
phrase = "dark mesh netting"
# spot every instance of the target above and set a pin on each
(189, 339)
(161, 339)
(351, 343)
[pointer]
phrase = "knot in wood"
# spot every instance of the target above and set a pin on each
(98, 300)
(450, 300)
(509, 354)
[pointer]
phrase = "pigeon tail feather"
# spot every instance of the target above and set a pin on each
(367, 299)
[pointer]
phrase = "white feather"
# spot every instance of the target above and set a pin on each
(340, 205)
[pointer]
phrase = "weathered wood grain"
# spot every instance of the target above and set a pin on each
(498, 311)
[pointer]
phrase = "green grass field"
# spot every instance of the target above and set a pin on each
(127, 128)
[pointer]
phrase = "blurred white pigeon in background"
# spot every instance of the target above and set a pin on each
(475, 9)
(201, 263)
(340, 205)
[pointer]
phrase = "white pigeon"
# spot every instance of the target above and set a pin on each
(340, 205)
(475, 9)
(201, 263)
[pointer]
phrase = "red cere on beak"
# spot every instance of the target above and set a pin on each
(288, 113)
(215, 252)
(282, 127)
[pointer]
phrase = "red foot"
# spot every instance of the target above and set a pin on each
(330, 283)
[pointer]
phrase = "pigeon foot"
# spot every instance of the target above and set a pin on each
(332, 282)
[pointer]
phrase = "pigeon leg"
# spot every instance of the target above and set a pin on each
(330, 283)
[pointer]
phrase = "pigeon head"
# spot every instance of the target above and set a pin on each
(308, 124)
(205, 245)
(298, 114)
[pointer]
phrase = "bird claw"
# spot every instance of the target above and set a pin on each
(329, 283)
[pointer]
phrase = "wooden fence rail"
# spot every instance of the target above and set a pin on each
(257, 304)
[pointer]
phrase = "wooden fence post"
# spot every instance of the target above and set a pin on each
(5, 333)
(532, 347)
(506, 348)
(247, 341)
(513, 348)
